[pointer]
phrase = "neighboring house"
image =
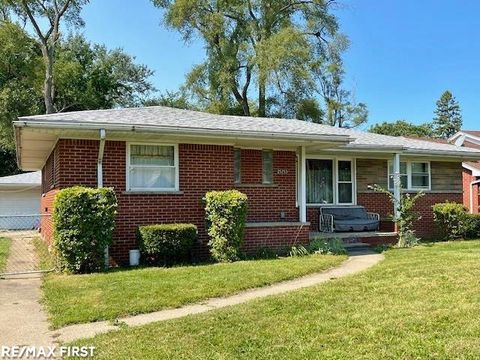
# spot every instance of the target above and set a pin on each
(20, 201)
(161, 162)
(471, 169)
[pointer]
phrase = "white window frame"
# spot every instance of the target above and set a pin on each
(271, 152)
(335, 179)
(409, 163)
(175, 166)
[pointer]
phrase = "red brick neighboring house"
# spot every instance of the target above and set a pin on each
(161, 162)
(471, 169)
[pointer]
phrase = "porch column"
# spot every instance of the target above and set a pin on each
(302, 186)
(396, 183)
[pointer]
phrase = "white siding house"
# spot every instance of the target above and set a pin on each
(20, 201)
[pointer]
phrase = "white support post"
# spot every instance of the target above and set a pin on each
(302, 193)
(396, 184)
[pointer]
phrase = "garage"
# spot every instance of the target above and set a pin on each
(20, 201)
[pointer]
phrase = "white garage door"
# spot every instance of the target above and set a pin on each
(15, 203)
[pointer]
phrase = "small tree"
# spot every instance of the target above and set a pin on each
(405, 216)
(448, 117)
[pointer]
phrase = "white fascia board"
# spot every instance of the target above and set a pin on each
(475, 171)
(341, 139)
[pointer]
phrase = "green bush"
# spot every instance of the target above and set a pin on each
(333, 246)
(226, 215)
(83, 221)
(473, 226)
(166, 244)
(451, 220)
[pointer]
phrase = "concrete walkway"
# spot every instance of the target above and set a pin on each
(22, 319)
(359, 260)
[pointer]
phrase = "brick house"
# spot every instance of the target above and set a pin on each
(471, 169)
(161, 161)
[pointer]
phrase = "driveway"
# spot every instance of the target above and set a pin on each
(22, 319)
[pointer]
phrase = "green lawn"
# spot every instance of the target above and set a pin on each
(4, 250)
(420, 303)
(84, 298)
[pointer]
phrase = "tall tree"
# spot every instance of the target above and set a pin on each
(448, 116)
(45, 17)
(90, 76)
(402, 128)
(20, 79)
(262, 56)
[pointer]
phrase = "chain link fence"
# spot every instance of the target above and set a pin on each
(18, 234)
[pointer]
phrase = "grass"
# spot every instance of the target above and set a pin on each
(104, 296)
(420, 303)
(4, 251)
(45, 260)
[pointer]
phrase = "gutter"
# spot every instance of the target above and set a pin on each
(472, 184)
(172, 130)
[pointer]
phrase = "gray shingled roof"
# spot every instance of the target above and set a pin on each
(177, 118)
(27, 179)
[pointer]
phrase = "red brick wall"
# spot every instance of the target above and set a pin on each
(467, 188)
(46, 207)
(267, 202)
(201, 168)
(278, 237)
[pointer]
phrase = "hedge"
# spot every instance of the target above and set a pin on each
(226, 215)
(166, 244)
(83, 221)
(454, 222)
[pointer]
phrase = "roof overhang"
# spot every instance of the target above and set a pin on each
(475, 171)
(35, 139)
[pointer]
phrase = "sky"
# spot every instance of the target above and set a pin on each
(403, 53)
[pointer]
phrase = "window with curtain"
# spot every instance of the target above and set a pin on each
(345, 182)
(267, 166)
(319, 181)
(237, 164)
(152, 167)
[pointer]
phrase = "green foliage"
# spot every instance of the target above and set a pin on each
(324, 246)
(166, 244)
(226, 215)
(402, 128)
(89, 76)
(298, 250)
(175, 99)
(20, 82)
(406, 216)
(448, 117)
(83, 221)
(451, 220)
(473, 226)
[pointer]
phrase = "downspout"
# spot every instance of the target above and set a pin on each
(101, 149)
(396, 185)
(472, 184)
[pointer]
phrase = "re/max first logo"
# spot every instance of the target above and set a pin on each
(45, 352)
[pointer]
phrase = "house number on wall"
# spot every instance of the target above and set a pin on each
(282, 172)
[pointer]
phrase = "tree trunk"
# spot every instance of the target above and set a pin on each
(48, 83)
(261, 98)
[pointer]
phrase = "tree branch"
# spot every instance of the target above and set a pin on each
(43, 39)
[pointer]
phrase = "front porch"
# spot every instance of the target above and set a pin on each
(367, 237)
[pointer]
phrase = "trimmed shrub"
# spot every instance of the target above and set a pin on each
(83, 221)
(166, 244)
(473, 226)
(451, 220)
(226, 215)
